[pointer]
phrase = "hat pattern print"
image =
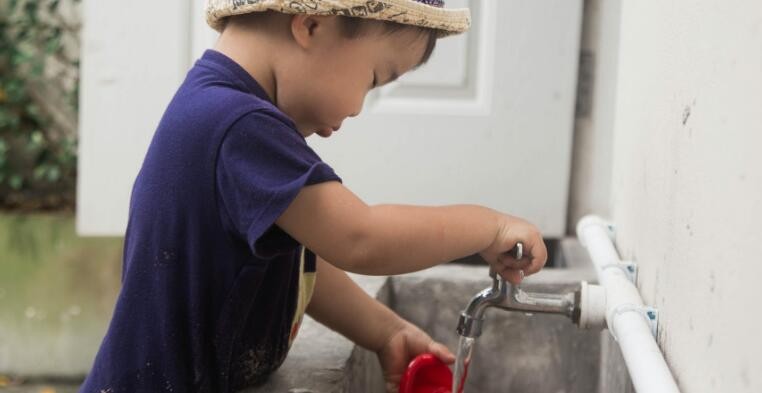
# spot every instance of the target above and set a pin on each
(423, 13)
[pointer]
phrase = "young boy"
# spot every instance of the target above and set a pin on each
(233, 217)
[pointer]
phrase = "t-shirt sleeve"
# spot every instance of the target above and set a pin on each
(262, 165)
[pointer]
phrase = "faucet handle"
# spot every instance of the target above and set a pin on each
(519, 250)
(518, 253)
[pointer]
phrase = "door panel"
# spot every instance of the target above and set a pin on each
(134, 56)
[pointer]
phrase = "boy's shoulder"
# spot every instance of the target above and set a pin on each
(218, 110)
(218, 88)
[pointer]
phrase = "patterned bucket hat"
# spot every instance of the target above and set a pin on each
(424, 13)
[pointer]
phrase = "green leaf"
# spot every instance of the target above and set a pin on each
(30, 8)
(37, 69)
(14, 90)
(33, 110)
(39, 172)
(8, 119)
(53, 45)
(54, 173)
(36, 138)
(53, 6)
(4, 118)
(16, 181)
(20, 58)
(22, 33)
(14, 121)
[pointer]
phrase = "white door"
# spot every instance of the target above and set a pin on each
(488, 120)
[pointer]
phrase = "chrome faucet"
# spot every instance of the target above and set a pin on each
(512, 298)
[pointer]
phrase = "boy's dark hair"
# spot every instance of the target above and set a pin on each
(356, 27)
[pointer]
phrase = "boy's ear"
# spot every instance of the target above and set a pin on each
(304, 28)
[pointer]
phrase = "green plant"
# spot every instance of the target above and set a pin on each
(39, 75)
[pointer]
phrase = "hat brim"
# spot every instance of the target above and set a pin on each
(409, 12)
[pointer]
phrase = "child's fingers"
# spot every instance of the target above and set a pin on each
(539, 255)
(536, 265)
(513, 276)
(441, 352)
(511, 262)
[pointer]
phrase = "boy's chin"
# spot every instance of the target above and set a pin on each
(325, 133)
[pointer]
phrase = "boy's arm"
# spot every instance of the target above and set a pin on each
(392, 239)
(339, 303)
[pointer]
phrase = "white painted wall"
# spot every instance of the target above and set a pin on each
(687, 182)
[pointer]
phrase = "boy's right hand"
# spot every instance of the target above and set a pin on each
(513, 230)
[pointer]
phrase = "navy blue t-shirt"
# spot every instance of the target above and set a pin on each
(210, 283)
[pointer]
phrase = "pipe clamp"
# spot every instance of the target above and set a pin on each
(650, 314)
(630, 269)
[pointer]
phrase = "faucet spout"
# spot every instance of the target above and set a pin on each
(533, 302)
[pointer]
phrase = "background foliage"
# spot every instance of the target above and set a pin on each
(39, 78)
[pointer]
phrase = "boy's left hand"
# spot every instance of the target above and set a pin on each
(402, 347)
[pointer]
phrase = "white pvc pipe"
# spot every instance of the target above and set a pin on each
(624, 311)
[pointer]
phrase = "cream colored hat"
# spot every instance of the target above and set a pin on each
(425, 13)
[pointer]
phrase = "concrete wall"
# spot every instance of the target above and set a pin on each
(686, 192)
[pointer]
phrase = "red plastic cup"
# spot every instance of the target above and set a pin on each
(426, 374)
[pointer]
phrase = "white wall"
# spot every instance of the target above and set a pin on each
(687, 182)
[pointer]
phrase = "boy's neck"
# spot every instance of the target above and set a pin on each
(249, 57)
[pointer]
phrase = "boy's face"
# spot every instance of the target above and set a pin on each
(327, 78)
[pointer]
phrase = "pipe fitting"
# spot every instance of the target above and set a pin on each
(592, 306)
